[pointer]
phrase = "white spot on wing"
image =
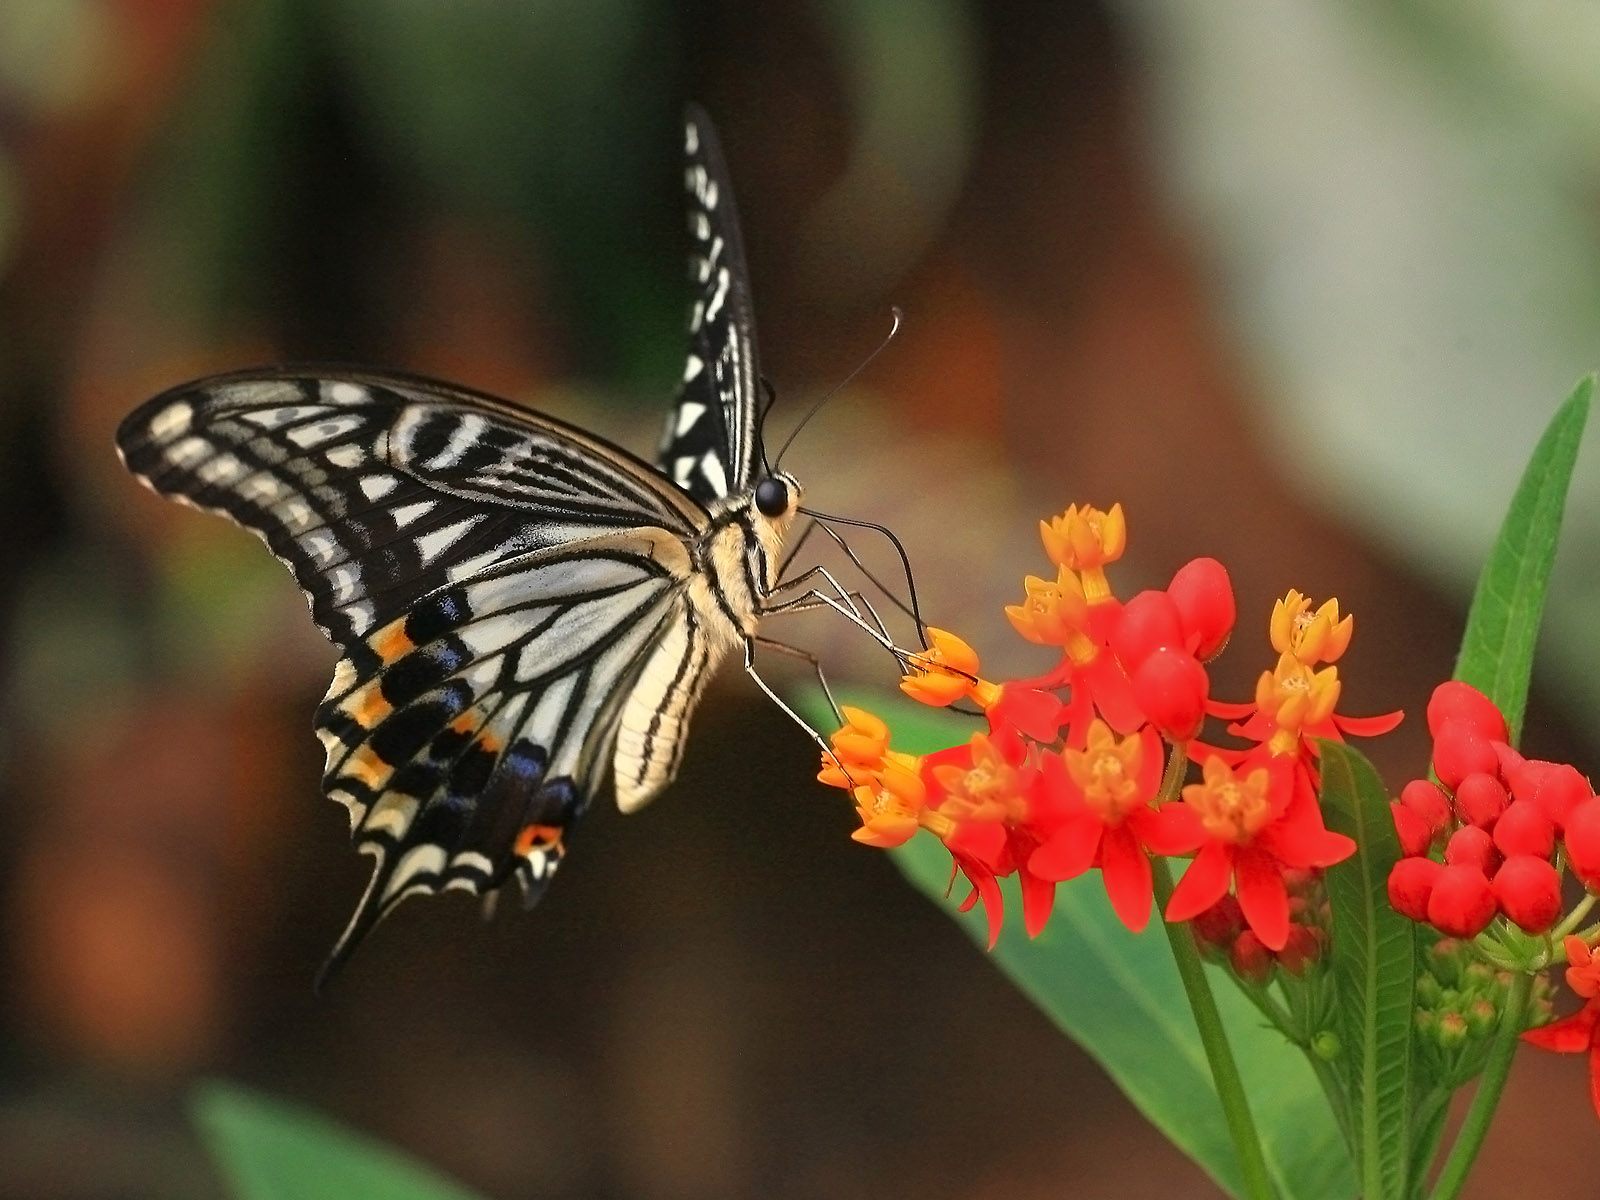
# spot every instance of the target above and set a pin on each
(468, 431)
(375, 487)
(711, 468)
(408, 513)
(345, 393)
(688, 413)
(172, 421)
(431, 545)
(718, 296)
(691, 138)
(693, 367)
(224, 468)
(680, 471)
(347, 456)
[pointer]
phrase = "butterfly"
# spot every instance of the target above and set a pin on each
(521, 606)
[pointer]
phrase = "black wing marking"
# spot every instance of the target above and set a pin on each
(376, 490)
(709, 445)
(467, 736)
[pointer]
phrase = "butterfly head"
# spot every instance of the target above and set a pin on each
(777, 496)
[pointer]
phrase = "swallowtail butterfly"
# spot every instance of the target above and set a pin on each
(520, 605)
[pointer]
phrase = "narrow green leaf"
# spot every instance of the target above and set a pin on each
(1117, 995)
(269, 1150)
(1374, 970)
(1503, 624)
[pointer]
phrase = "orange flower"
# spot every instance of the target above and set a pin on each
(1583, 968)
(893, 807)
(1085, 539)
(1310, 637)
(859, 746)
(1054, 613)
(945, 672)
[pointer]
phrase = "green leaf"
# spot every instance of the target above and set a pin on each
(1503, 624)
(1374, 971)
(269, 1150)
(1117, 995)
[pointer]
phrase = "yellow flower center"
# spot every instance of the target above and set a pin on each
(1231, 809)
(1107, 773)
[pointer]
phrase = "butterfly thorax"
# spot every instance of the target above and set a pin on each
(736, 561)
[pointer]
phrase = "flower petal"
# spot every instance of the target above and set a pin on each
(1569, 1035)
(1262, 897)
(1126, 870)
(1070, 851)
(1368, 726)
(1203, 884)
(1169, 830)
(1038, 898)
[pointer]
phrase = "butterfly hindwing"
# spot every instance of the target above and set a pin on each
(466, 737)
(709, 445)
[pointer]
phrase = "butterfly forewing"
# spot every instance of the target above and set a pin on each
(709, 445)
(496, 580)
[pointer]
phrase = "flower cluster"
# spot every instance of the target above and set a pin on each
(1579, 1033)
(1502, 823)
(1073, 773)
(1223, 934)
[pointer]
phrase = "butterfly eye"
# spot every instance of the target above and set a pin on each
(772, 497)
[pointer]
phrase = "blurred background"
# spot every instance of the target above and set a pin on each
(1298, 282)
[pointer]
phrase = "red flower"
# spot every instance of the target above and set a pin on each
(1579, 1033)
(1101, 800)
(1253, 823)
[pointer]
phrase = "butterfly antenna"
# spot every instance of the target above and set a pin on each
(761, 425)
(846, 382)
(914, 608)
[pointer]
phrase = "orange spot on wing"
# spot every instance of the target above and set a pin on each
(391, 641)
(466, 723)
(538, 837)
(367, 707)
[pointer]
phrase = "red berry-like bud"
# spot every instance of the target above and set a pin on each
(1457, 702)
(1472, 847)
(1528, 890)
(1171, 689)
(1203, 595)
(1251, 959)
(1303, 947)
(1510, 761)
(1425, 798)
(1147, 623)
(1458, 751)
(1525, 777)
(1583, 843)
(1219, 924)
(1480, 800)
(1413, 832)
(1524, 829)
(1561, 791)
(1411, 882)
(1462, 902)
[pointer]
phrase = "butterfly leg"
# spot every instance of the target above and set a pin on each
(750, 669)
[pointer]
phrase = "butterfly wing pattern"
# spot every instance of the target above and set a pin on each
(709, 447)
(519, 604)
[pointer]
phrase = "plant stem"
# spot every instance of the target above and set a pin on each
(1493, 1081)
(1219, 1055)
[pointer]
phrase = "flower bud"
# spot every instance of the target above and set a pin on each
(1325, 1045)
(1149, 622)
(1461, 903)
(1303, 947)
(1424, 797)
(1480, 799)
(1411, 883)
(1219, 924)
(1451, 1031)
(1447, 958)
(1458, 751)
(1524, 829)
(1583, 843)
(1203, 595)
(1481, 1017)
(1528, 890)
(1461, 703)
(1171, 688)
(1251, 959)
(1413, 832)
(1561, 791)
(1472, 847)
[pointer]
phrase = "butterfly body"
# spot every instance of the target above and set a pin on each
(522, 607)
